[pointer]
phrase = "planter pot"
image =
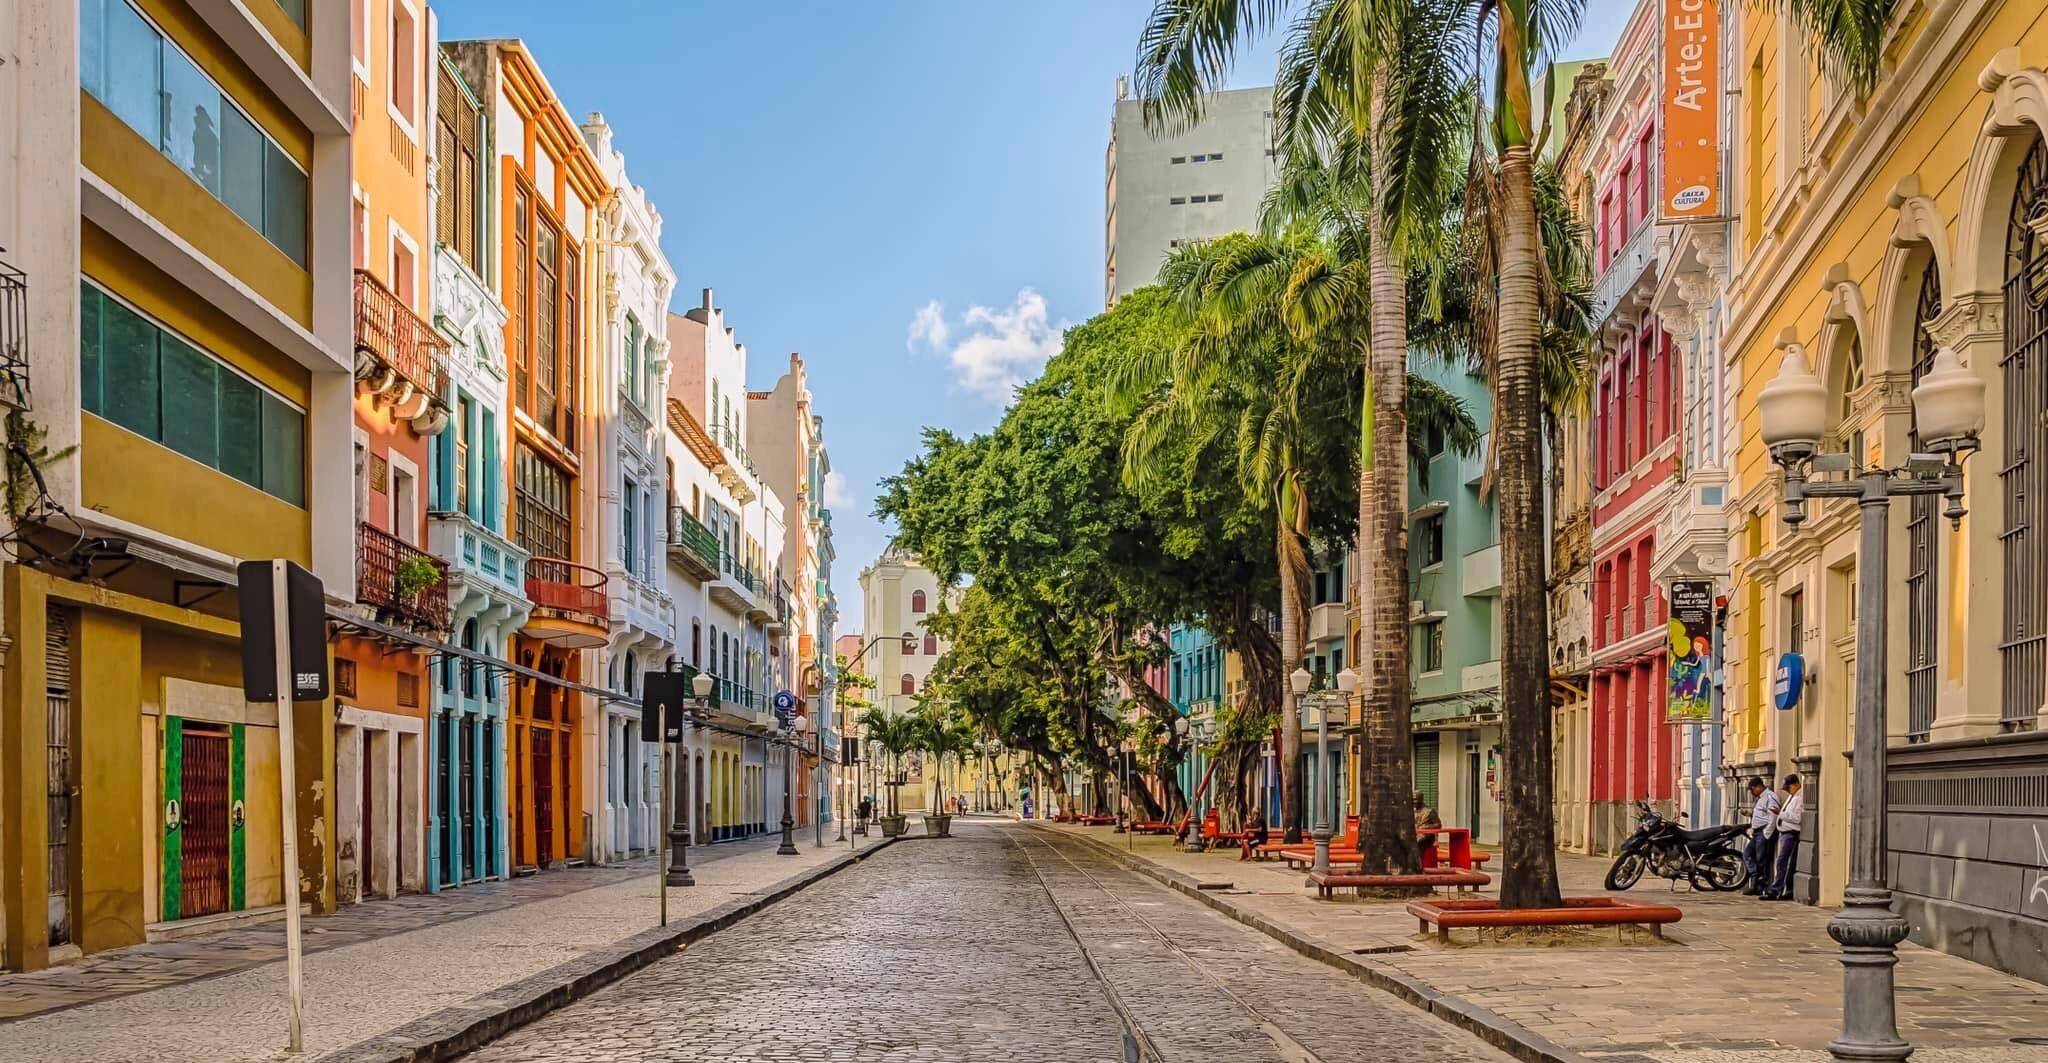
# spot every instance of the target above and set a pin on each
(938, 825)
(892, 826)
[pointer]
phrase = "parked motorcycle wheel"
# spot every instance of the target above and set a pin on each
(1722, 872)
(1627, 871)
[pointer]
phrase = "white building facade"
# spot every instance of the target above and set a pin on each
(1161, 192)
(635, 282)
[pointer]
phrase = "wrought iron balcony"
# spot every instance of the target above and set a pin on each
(691, 546)
(398, 355)
(13, 337)
(571, 606)
(404, 583)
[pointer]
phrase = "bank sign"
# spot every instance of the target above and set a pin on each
(1690, 109)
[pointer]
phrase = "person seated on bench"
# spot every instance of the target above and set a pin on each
(1254, 834)
(1425, 816)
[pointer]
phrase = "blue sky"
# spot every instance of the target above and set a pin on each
(910, 194)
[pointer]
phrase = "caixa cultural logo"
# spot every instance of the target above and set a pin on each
(1691, 197)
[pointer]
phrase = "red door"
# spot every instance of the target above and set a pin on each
(543, 796)
(203, 856)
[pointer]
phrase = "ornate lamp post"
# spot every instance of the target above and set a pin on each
(791, 747)
(1320, 706)
(699, 704)
(1948, 416)
(1185, 729)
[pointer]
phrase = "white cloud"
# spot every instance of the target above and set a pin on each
(837, 494)
(999, 347)
(929, 327)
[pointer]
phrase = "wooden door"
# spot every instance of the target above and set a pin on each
(543, 796)
(203, 859)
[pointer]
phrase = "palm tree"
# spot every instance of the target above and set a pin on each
(1268, 366)
(894, 735)
(1371, 82)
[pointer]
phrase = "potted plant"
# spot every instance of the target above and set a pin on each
(894, 736)
(415, 575)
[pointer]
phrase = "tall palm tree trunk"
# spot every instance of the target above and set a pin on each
(1386, 825)
(1291, 528)
(1529, 875)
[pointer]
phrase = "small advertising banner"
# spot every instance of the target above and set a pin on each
(1690, 109)
(1690, 698)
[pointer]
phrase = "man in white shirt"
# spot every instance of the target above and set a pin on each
(1791, 816)
(1763, 832)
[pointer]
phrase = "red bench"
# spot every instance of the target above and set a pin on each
(1152, 826)
(1484, 912)
(1095, 821)
(1456, 878)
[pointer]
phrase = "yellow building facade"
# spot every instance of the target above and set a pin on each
(1870, 231)
(188, 346)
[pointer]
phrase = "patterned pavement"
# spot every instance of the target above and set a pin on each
(1000, 946)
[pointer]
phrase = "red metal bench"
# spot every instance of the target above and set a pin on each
(1485, 912)
(1095, 821)
(1456, 878)
(1152, 826)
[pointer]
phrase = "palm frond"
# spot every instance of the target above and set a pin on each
(1185, 51)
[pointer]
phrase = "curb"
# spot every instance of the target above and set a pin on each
(1502, 1033)
(451, 1031)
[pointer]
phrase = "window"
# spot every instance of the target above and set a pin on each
(1429, 536)
(344, 677)
(917, 601)
(405, 60)
(463, 412)
(629, 362)
(629, 527)
(931, 644)
(1215, 197)
(546, 336)
(908, 684)
(1199, 158)
(161, 94)
(1178, 159)
(909, 644)
(149, 381)
(542, 497)
(1176, 201)
(404, 269)
(1215, 156)
(1431, 658)
(458, 138)
(405, 520)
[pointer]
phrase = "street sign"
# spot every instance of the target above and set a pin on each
(306, 613)
(661, 691)
(1791, 680)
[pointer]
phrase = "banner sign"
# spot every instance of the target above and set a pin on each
(1690, 698)
(1690, 109)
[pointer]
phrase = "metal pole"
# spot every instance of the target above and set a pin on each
(675, 788)
(788, 846)
(288, 808)
(668, 783)
(1865, 926)
(1322, 828)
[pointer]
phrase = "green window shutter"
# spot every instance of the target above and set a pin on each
(1425, 768)
(238, 815)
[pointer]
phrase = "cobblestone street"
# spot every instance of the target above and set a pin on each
(1004, 945)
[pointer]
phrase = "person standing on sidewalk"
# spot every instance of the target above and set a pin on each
(1791, 813)
(1763, 830)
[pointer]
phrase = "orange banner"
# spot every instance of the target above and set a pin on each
(1691, 109)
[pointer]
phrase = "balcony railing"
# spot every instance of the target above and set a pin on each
(389, 331)
(691, 544)
(737, 571)
(1623, 270)
(566, 587)
(401, 580)
(13, 337)
(781, 602)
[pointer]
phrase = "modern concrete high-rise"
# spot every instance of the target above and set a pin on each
(1169, 189)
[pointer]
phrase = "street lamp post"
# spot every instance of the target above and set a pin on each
(1948, 416)
(791, 736)
(1191, 738)
(1321, 704)
(701, 686)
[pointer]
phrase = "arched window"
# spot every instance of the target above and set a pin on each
(909, 685)
(910, 644)
(2023, 643)
(469, 667)
(931, 644)
(1922, 527)
(917, 601)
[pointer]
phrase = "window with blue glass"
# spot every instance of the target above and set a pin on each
(159, 92)
(145, 378)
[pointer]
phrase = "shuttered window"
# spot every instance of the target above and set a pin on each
(1425, 768)
(458, 139)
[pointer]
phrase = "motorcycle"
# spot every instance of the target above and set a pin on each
(1709, 858)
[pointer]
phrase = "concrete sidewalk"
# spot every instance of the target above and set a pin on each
(1738, 980)
(432, 967)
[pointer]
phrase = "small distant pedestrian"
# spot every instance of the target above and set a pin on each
(1425, 816)
(1763, 833)
(1791, 813)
